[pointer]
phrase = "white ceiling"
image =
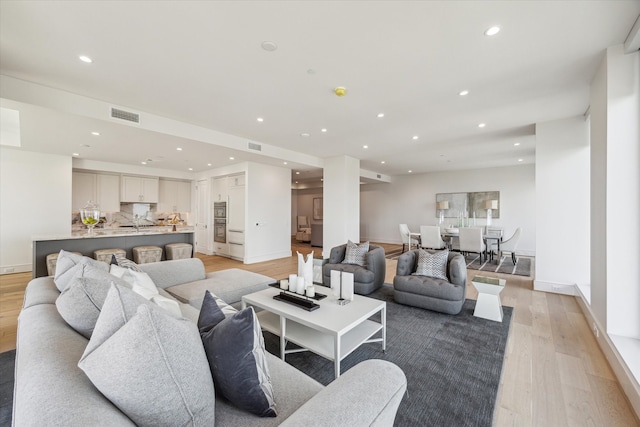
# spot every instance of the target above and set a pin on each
(201, 62)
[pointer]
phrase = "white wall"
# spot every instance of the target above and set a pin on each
(303, 204)
(562, 205)
(268, 212)
(35, 199)
(411, 199)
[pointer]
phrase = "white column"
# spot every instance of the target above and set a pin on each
(341, 202)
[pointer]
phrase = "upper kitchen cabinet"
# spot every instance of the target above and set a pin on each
(102, 189)
(138, 189)
(174, 196)
(220, 189)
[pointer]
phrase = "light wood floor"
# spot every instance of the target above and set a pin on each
(554, 373)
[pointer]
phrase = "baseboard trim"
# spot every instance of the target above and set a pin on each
(18, 268)
(555, 287)
(628, 382)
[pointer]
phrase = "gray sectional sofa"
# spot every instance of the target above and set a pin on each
(50, 388)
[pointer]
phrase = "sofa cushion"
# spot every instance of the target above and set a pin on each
(230, 285)
(235, 349)
(432, 264)
(355, 253)
(68, 266)
(429, 287)
(149, 364)
(81, 302)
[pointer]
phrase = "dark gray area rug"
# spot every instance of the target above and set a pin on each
(453, 364)
(7, 364)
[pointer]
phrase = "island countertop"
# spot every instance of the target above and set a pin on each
(113, 232)
(118, 238)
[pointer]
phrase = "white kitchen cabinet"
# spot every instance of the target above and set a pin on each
(83, 188)
(220, 190)
(221, 248)
(108, 192)
(174, 196)
(236, 209)
(236, 180)
(101, 189)
(138, 189)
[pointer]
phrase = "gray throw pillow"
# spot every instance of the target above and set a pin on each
(81, 302)
(355, 253)
(432, 265)
(149, 364)
(67, 266)
(237, 359)
(124, 262)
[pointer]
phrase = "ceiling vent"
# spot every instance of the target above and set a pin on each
(254, 146)
(125, 115)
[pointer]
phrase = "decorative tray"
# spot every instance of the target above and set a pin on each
(318, 296)
(303, 303)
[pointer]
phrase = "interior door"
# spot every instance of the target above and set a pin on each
(204, 237)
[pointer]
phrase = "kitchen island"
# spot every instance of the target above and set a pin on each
(123, 238)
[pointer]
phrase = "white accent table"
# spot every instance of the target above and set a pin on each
(333, 331)
(488, 305)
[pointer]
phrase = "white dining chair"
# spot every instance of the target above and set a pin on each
(471, 241)
(407, 240)
(430, 237)
(509, 245)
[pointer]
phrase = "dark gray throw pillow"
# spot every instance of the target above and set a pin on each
(236, 354)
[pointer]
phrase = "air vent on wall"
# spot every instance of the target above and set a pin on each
(125, 115)
(254, 146)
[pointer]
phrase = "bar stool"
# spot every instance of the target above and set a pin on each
(52, 259)
(178, 250)
(146, 254)
(105, 255)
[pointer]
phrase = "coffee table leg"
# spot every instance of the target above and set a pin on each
(283, 341)
(336, 356)
(383, 318)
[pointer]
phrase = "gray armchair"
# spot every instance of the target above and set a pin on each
(445, 296)
(365, 279)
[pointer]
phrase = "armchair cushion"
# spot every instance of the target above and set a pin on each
(432, 264)
(355, 254)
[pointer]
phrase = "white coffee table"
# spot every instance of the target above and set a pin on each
(333, 331)
(488, 305)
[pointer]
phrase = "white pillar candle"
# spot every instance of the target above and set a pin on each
(311, 291)
(300, 288)
(293, 282)
(284, 284)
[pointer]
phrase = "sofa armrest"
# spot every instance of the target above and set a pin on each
(337, 254)
(407, 263)
(366, 395)
(457, 269)
(375, 261)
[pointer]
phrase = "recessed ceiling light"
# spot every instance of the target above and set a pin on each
(179, 149)
(410, 171)
(232, 158)
(380, 115)
(464, 93)
(260, 119)
(520, 160)
(95, 133)
(305, 134)
(365, 146)
(86, 59)
(208, 164)
(76, 154)
(383, 162)
(481, 125)
(296, 182)
(492, 31)
(269, 46)
(285, 163)
(516, 144)
(323, 130)
(415, 137)
(297, 173)
(190, 169)
(143, 163)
